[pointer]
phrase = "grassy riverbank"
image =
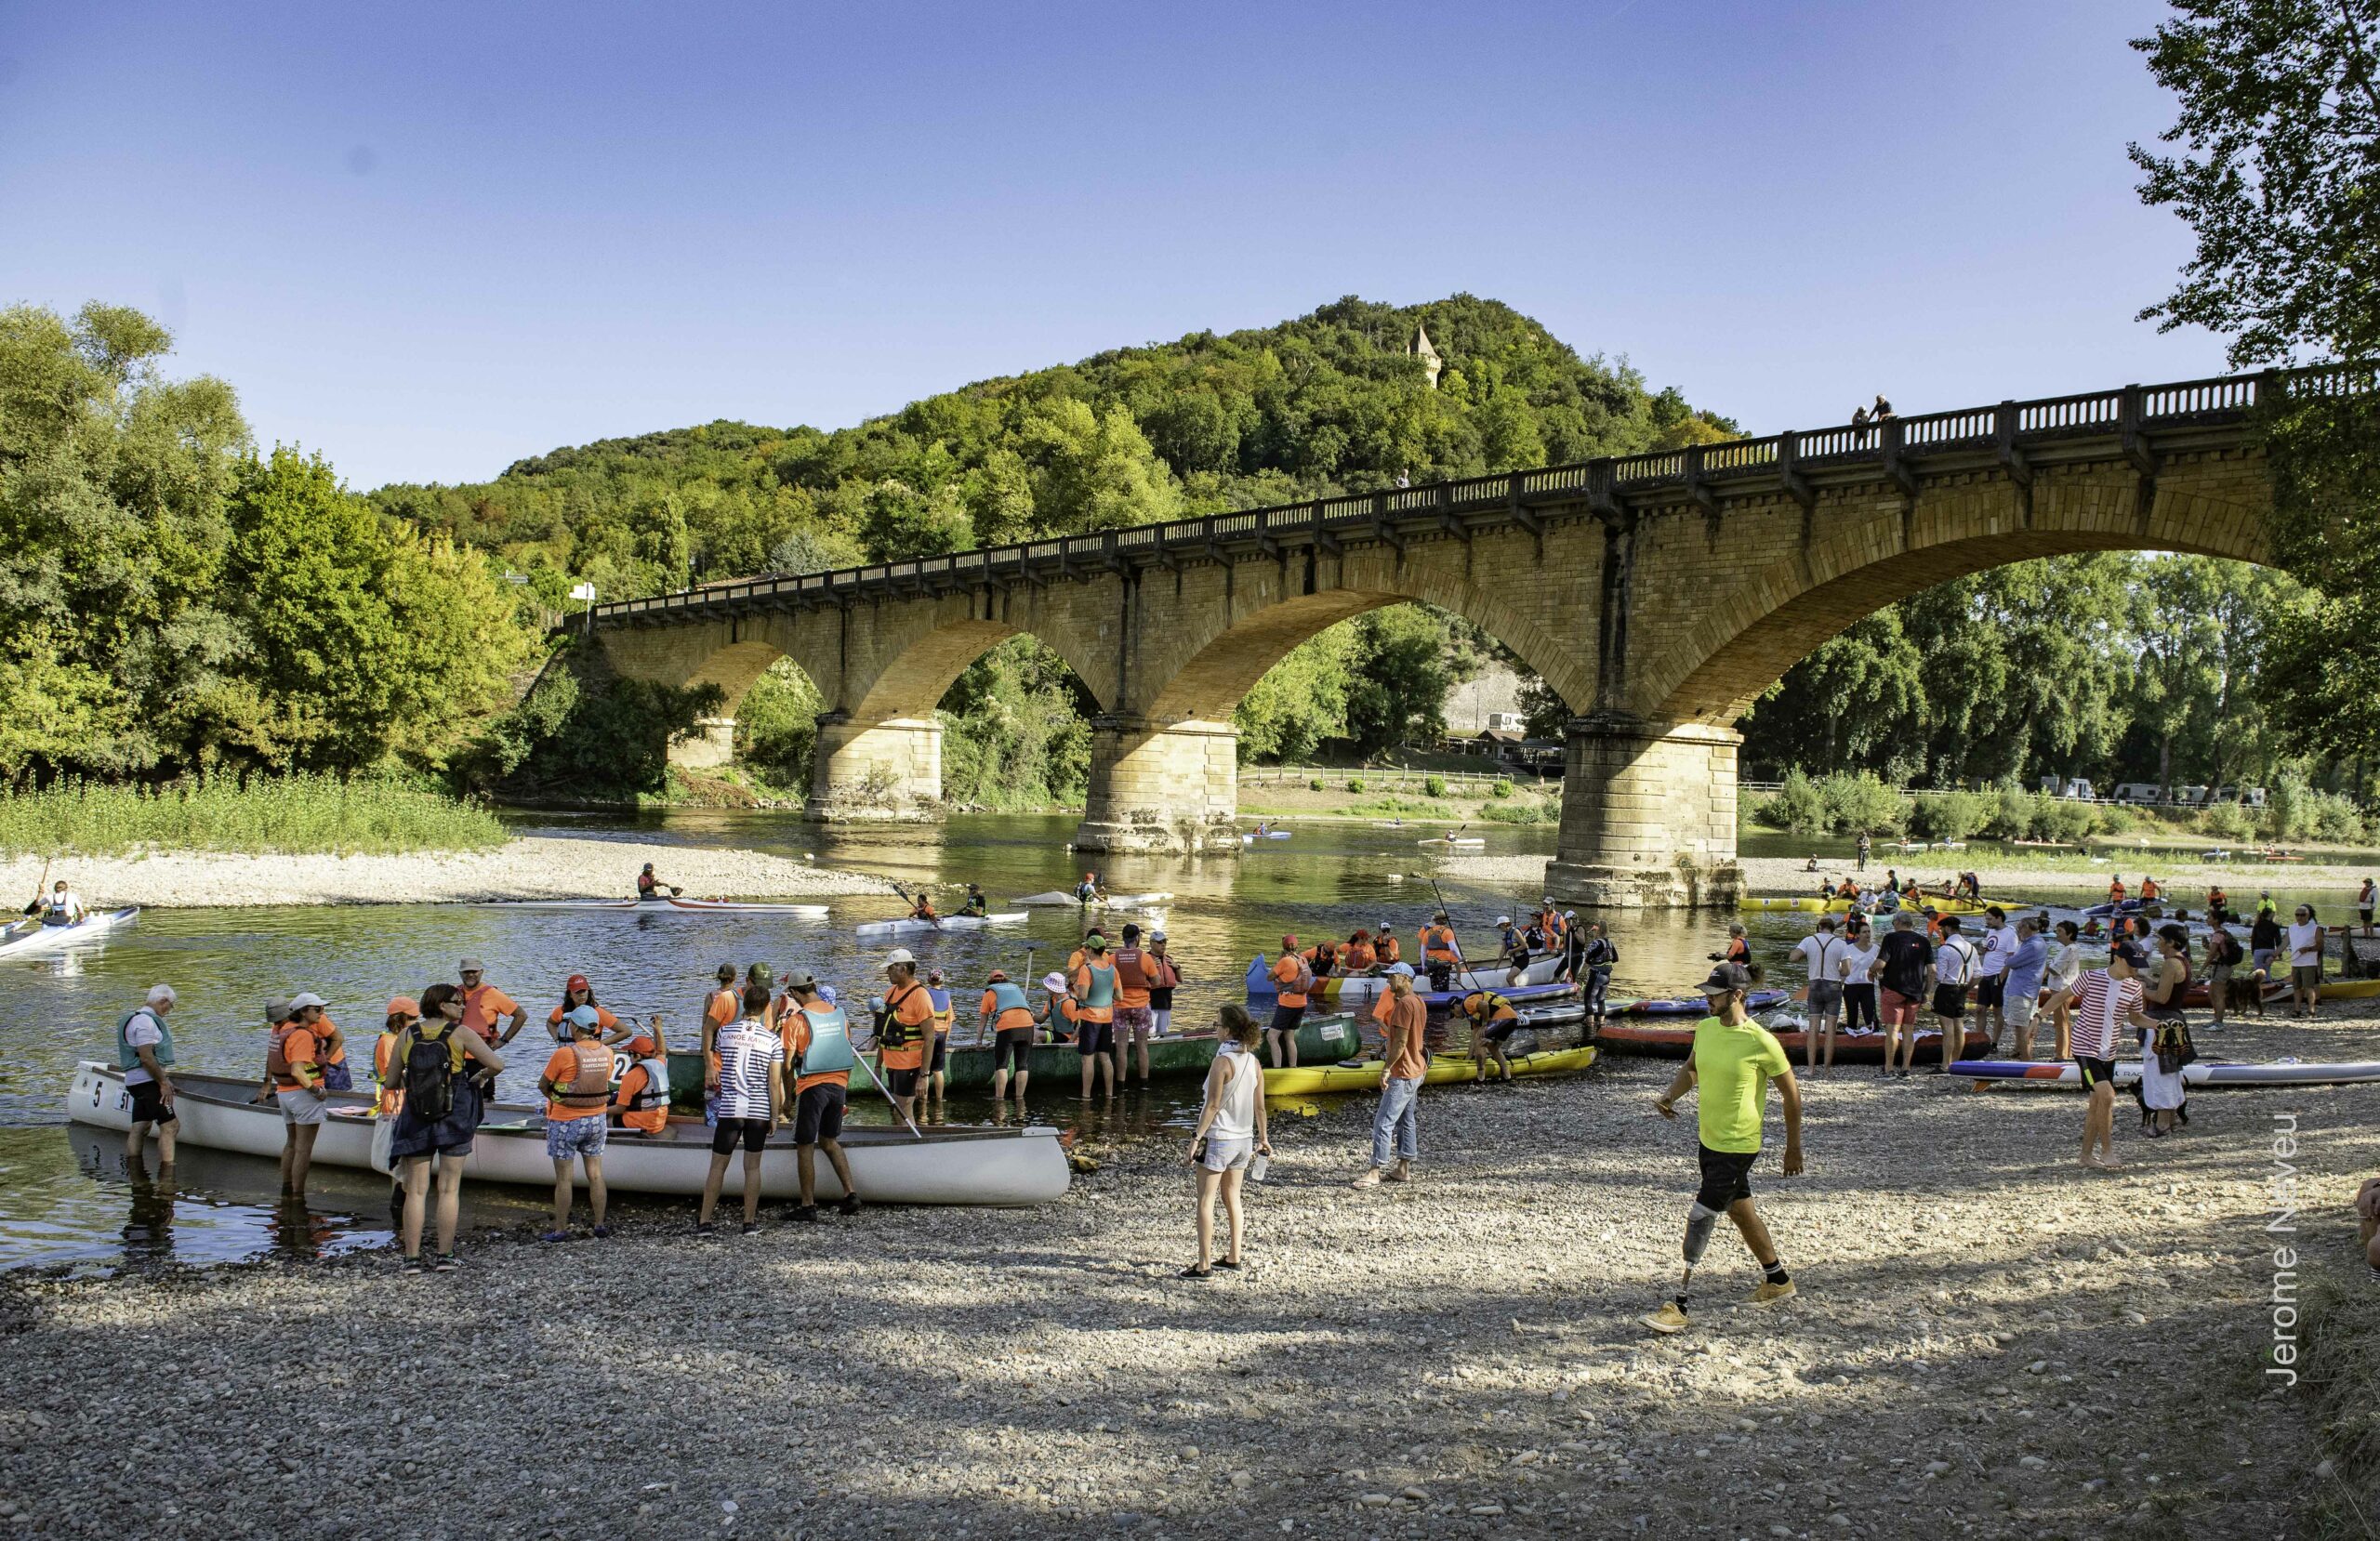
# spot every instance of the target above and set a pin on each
(257, 816)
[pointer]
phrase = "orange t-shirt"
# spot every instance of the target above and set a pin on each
(298, 1048)
(1284, 974)
(1015, 1016)
(329, 1042)
(1359, 955)
(393, 1097)
(1388, 950)
(562, 1068)
(484, 1007)
(1409, 1013)
(913, 1010)
(795, 1034)
(1437, 942)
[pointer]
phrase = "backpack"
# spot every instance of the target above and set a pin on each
(430, 1077)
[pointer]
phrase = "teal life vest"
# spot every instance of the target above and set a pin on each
(1103, 986)
(128, 1058)
(830, 1044)
(1008, 996)
(939, 999)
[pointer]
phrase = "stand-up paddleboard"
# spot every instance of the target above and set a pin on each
(2278, 1073)
(912, 926)
(25, 940)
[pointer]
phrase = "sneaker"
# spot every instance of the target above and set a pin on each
(705, 1228)
(414, 1265)
(1768, 1294)
(1370, 1178)
(806, 1213)
(555, 1236)
(603, 1233)
(447, 1263)
(851, 1205)
(1669, 1319)
(1401, 1172)
(750, 1229)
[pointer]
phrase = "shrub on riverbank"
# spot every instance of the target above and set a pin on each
(255, 815)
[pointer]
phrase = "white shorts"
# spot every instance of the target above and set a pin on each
(1226, 1155)
(2017, 1010)
(301, 1106)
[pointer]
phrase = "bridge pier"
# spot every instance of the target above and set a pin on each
(875, 771)
(1648, 815)
(710, 745)
(1172, 789)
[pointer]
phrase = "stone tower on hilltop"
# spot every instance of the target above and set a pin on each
(1420, 347)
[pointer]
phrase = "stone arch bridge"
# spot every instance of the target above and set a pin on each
(1657, 594)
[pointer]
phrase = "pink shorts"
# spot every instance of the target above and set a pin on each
(1900, 1010)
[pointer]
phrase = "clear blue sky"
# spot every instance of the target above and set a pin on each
(426, 239)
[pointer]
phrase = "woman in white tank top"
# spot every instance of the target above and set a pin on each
(1230, 1131)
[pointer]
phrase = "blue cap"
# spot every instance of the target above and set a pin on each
(1400, 970)
(583, 1015)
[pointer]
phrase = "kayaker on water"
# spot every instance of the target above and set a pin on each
(976, 904)
(144, 1046)
(61, 906)
(819, 1060)
(921, 908)
(1323, 958)
(438, 1113)
(1230, 1135)
(1006, 1015)
(1733, 1060)
(649, 886)
(1086, 891)
(576, 1085)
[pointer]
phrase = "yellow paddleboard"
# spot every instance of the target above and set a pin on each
(1302, 1080)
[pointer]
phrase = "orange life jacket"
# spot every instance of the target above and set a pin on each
(592, 1085)
(1437, 943)
(1386, 950)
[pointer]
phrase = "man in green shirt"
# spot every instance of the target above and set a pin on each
(1733, 1060)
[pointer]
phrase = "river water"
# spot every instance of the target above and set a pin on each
(67, 1198)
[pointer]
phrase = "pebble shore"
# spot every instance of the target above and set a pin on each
(534, 866)
(1989, 1342)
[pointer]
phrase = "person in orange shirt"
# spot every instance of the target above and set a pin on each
(723, 1005)
(1440, 952)
(576, 992)
(1006, 1014)
(293, 1079)
(2115, 890)
(578, 1089)
(1493, 1020)
(1386, 949)
(1074, 959)
(2150, 890)
(404, 1012)
(1359, 956)
(1292, 980)
(1396, 1123)
(1133, 1017)
(484, 1005)
(903, 1030)
(643, 1104)
(1095, 994)
(818, 1055)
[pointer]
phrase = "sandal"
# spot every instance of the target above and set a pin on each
(1198, 1271)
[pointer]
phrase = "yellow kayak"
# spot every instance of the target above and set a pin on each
(2349, 989)
(1301, 1080)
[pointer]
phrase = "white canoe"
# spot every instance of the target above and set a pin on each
(905, 926)
(1113, 901)
(653, 905)
(2279, 1073)
(969, 1165)
(1452, 840)
(32, 936)
(733, 906)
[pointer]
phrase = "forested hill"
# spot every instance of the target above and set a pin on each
(1332, 402)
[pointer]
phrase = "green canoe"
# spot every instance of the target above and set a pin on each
(1323, 1039)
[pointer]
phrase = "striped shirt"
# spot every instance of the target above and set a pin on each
(2100, 1002)
(747, 1052)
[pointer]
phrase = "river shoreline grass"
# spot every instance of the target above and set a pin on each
(257, 815)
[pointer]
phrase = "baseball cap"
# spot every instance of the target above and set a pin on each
(576, 981)
(1157, 936)
(583, 1015)
(1094, 942)
(1728, 977)
(1400, 970)
(1289, 941)
(472, 966)
(1503, 920)
(2129, 954)
(997, 976)
(277, 1010)
(305, 998)
(404, 1006)
(899, 954)
(827, 994)
(802, 982)
(1055, 983)
(934, 973)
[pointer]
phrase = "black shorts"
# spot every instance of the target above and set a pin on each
(903, 1082)
(1285, 1019)
(1092, 1039)
(1950, 1001)
(148, 1104)
(936, 1055)
(1502, 1029)
(754, 1132)
(818, 1113)
(1991, 991)
(1012, 1049)
(1727, 1177)
(2096, 1073)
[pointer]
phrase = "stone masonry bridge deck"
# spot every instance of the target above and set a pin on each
(1657, 594)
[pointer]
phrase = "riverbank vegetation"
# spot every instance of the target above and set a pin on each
(1849, 803)
(301, 813)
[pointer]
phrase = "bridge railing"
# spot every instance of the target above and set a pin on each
(2131, 409)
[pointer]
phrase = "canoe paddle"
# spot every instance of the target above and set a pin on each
(913, 904)
(880, 1086)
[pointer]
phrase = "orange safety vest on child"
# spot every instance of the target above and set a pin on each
(580, 1071)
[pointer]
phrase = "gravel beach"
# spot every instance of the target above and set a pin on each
(534, 866)
(1989, 1342)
